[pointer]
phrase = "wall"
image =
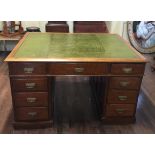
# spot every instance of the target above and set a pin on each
(119, 27)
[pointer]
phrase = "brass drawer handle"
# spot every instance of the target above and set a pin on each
(122, 98)
(79, 69)
(32, 114)
(31, 99)
(28, 70)
(120, 110)
(30, 85)
(124, 83)
(127, 70)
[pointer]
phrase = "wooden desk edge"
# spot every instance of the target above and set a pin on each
(112, 60)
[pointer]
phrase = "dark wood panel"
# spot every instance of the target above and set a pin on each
(30, 99)
(31, 114)
(120, 110)
(29, 84)
(89, 22)
(57, 22)
(122, 96)
(71, 107)
(77, 68)
(127, 69)
(125, 82)
(57, 28)
(27, 68)
(90, 27)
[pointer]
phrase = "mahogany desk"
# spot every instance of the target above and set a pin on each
(39, 57)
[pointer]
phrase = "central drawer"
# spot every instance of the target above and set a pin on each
(29, 99)
(31, 114)
(77, 68)
(29, 84)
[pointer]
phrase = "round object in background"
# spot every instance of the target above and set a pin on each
(33, 29)
(137, 42)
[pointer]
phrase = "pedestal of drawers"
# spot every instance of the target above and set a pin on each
(122, 93)
(30, 92)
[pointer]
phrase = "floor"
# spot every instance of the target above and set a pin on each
(145, 122)
(148, 85)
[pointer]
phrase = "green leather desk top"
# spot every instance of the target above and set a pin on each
(73, 47)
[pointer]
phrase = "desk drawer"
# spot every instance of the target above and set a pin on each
(31, 114)
(120, 96)
(39, 84)
(78, 68)
(120, 110)
(127, 69)
(31, 99)
(125, 82)
(27, 68)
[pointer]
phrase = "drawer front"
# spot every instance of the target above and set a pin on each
(120, 110)
(31, 99)
(120, 96)
(31, 114)
(32, 84)
(27, 68)
(125, 82)
(78, 68)
(127, 69)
